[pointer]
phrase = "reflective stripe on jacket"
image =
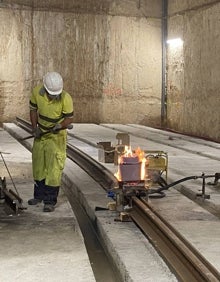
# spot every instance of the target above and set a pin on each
(50, 112)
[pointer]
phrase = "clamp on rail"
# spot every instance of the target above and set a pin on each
(11, 198)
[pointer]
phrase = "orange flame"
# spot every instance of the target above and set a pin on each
(129, 153)
(142, 159)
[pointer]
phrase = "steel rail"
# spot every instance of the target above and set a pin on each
(24, 124)
(96, 170)
(183, 259)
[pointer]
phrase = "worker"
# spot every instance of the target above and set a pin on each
(51, 112)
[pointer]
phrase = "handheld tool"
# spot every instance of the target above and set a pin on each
(70, 126)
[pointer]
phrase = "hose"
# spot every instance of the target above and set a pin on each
(166, 187)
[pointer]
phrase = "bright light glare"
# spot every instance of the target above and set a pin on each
(175, 42)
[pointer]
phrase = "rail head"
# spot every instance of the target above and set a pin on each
(184, 260)
(95, 169)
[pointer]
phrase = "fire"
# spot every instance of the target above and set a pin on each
(127, 153)
(142, 160)
(132, 164)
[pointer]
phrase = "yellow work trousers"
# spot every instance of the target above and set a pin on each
(48, 158)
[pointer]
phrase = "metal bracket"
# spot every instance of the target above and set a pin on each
(203, 194)
(2, 187)
(10, 197)
(217, 177)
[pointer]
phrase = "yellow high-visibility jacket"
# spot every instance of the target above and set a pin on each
(49, 152)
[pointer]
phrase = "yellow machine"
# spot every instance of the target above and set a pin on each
(156, 165)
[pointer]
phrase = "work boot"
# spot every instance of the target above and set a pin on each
(34, 201)
(48, 208)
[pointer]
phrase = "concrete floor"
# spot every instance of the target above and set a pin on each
(187, 156)
(37, 246)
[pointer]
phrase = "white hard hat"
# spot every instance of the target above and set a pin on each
(53, 82)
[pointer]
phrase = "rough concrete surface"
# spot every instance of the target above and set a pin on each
(110, 55)
(187, 156)
(37, 246)
(105, 51)
(193, 68)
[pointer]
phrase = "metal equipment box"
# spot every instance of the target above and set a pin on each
(106, 152)
(157, 161)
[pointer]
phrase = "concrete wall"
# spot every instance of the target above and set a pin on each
(132, 88)
(109, 53)
(15, 63)
(194, 68)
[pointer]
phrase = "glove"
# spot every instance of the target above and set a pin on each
(56, 128)
(37, 133)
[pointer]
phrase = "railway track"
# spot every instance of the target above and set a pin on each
(184, 260)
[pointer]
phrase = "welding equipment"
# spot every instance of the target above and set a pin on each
(143, 177)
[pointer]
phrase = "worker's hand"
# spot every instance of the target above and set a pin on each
(56, 128)
(37, 133)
